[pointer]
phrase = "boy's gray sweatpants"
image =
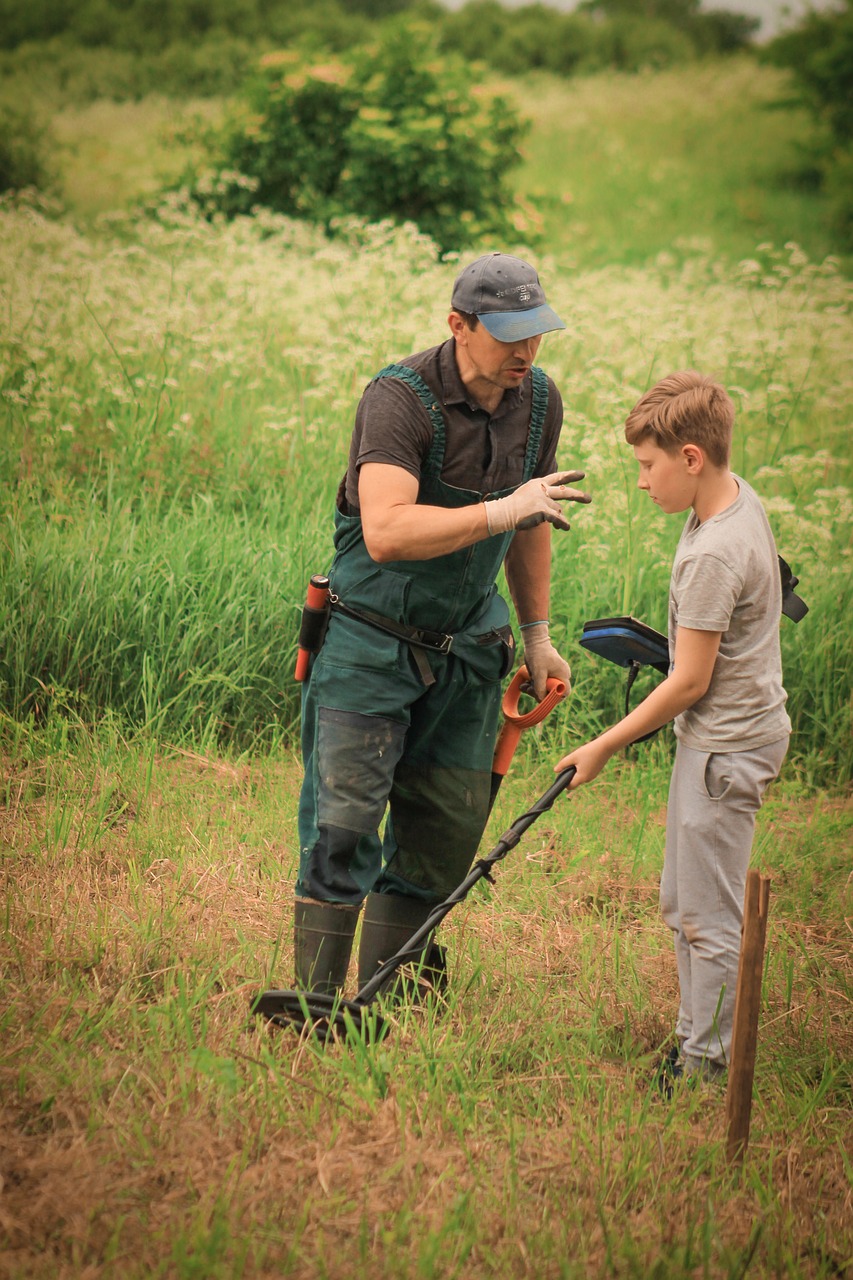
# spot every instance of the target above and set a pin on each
(713, 800)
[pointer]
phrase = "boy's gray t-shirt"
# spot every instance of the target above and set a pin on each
(725, 577)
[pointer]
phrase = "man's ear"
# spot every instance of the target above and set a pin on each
(694, 457)
(458, 327)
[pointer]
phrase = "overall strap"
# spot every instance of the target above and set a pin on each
(537, 420)
(435, 457)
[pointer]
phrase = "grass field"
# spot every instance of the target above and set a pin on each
(176, 404)
(148, 1131)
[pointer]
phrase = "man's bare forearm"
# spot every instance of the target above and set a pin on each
(528, 573)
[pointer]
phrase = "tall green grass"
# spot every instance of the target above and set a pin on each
(173, 618)
(178, 398)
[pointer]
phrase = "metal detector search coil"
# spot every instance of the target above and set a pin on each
(626, 641)
(630, 644)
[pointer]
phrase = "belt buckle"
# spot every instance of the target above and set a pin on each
(446, 642)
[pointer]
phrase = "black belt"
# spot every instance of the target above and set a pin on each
(418, 637)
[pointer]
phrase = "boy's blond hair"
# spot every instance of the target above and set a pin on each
(685, 408)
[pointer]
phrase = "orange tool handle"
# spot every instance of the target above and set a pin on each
(516, 722)
(313, 628)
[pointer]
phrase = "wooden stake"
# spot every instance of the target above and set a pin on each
(747, 1006)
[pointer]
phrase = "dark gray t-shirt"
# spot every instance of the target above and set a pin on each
(725, 577)
(483, 452)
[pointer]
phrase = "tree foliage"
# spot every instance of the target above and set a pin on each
(717, 31)
(25, 151)
(624, 34)
(819, 55)
(150, 26)
(521, 38)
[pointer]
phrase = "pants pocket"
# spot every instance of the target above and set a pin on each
(718, 774)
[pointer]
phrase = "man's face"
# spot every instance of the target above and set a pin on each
(488, 365)
(668, 478)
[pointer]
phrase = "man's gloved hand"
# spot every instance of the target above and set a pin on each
(542, 659)
(535, 501)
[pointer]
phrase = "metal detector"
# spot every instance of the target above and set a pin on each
(331, 1016)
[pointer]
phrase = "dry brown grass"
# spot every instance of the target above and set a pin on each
(147, 1130)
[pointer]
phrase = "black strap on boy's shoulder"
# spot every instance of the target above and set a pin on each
(792, 606)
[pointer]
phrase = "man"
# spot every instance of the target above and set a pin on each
(451, 474)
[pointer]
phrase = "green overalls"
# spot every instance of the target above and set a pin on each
(391, 723)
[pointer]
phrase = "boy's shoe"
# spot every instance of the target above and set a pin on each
(705, 1070)
(674, 1072)
(670, 1071)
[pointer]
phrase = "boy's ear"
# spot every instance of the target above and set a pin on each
(694, 457)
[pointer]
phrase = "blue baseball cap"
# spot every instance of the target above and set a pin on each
(506, 296)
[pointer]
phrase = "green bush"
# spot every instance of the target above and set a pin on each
(622, 34)
(24, 150)
(65, 72)
(36, 20)
(150, 26)
(475, 30)
(217, 65)
(714, 32)
(123, 49)
(83, 65)
(394, 131)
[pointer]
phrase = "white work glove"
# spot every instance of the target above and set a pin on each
(542, 659)
(535, 501)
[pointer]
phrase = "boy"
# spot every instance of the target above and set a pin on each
(724, 691)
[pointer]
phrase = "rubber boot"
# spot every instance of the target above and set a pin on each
(390, 919)
(322, 944)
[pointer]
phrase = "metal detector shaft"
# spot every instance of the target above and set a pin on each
(479, 871)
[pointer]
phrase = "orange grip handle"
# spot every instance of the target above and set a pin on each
(515, 722)
(505, 748)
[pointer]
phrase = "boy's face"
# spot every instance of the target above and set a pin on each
(668, 478)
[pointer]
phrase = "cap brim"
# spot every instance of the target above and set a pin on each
(515, 326)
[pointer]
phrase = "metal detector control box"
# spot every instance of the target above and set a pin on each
(626, 642)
